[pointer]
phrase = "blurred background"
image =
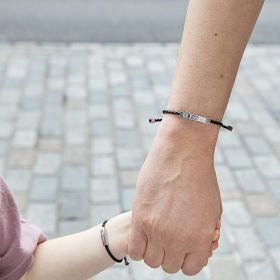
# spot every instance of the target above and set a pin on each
(79, 80)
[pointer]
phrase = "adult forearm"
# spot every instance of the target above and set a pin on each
(215, 35)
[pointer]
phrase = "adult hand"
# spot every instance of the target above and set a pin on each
(177, 205)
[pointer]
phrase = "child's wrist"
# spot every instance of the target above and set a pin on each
(117, 231)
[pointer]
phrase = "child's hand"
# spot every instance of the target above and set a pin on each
(215, 243)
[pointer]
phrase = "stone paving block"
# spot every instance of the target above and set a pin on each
(44, 216)
(101, 128)
(250, 246)
(260, 270)
(274, 186)
(247, 128)
(229, 140)
(257, 145)
(127, 138)
(66, 227)
(74, 178)
(47, 163)
(103, 166)
(225, 179)
(21, 157)
(123, 116)
(6, 130)
(4, 147)
(236, 213)
(127, 199)
(76, 155)
(102, 145)
(44, 188)
(226, 268)
(25, 139)
(51, 127)
(102, 212)
(18, 179)
(113, 273)
(268, 166)
(129, 157)
(104, 189)
(75, 118)
(128, 177)
(50, 144)
(275, 253)
(238, 158)
(73, 205)
(21, 201)
(269, 229)
(76, 137)
(262, 204)
(140, 271)
(99, 111)
(249, 181)
(28, 120)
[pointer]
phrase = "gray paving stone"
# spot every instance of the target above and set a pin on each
(103, 166)
(47, 163)
(127, 198)
(262, 204)
(238, 158)
(229, 140)
(44, 216)
(257, 145)
(21, 157)
(69, 227)
(274, 186)
(226, 268)
(268, 166)
(6, 130)
(4, 147)
(104, 190)
(249, 181)
(236, 213)
(112, 273)
(74, 178)
(269, 229)
(44, 188)
(102, 212)
(18, 179)
(25, 139)
(102, 145)
(275, 253)
(76, 137)
(76, 155)
(101, 128)
(128, 177)
(250, 246)
(50, 144)
(260, 270)
(225, 179)
(129, 157)
(73, 205)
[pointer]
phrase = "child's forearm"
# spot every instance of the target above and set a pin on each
(81, 255)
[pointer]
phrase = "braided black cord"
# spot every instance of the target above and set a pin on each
(110, 253)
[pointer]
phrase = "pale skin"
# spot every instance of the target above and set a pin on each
(82, 255)
(177, 205)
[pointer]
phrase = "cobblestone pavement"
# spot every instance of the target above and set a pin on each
(74, 132)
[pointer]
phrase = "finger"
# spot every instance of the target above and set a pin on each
(173, 260)
(194, 262)
(216, 235)
(136, 244)
(210, 254)
(154, 253)
(214, 246)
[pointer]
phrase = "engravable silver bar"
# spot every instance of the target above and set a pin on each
(104, 237)
(194, 117)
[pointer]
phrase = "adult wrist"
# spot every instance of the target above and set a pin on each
(188, 135)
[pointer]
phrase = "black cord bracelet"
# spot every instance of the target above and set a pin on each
(192, 117)
(105, 242)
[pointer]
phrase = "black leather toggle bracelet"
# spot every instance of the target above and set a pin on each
(105, 242)
(192, 117)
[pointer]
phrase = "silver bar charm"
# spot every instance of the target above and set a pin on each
(104, 237)
(194, 117)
